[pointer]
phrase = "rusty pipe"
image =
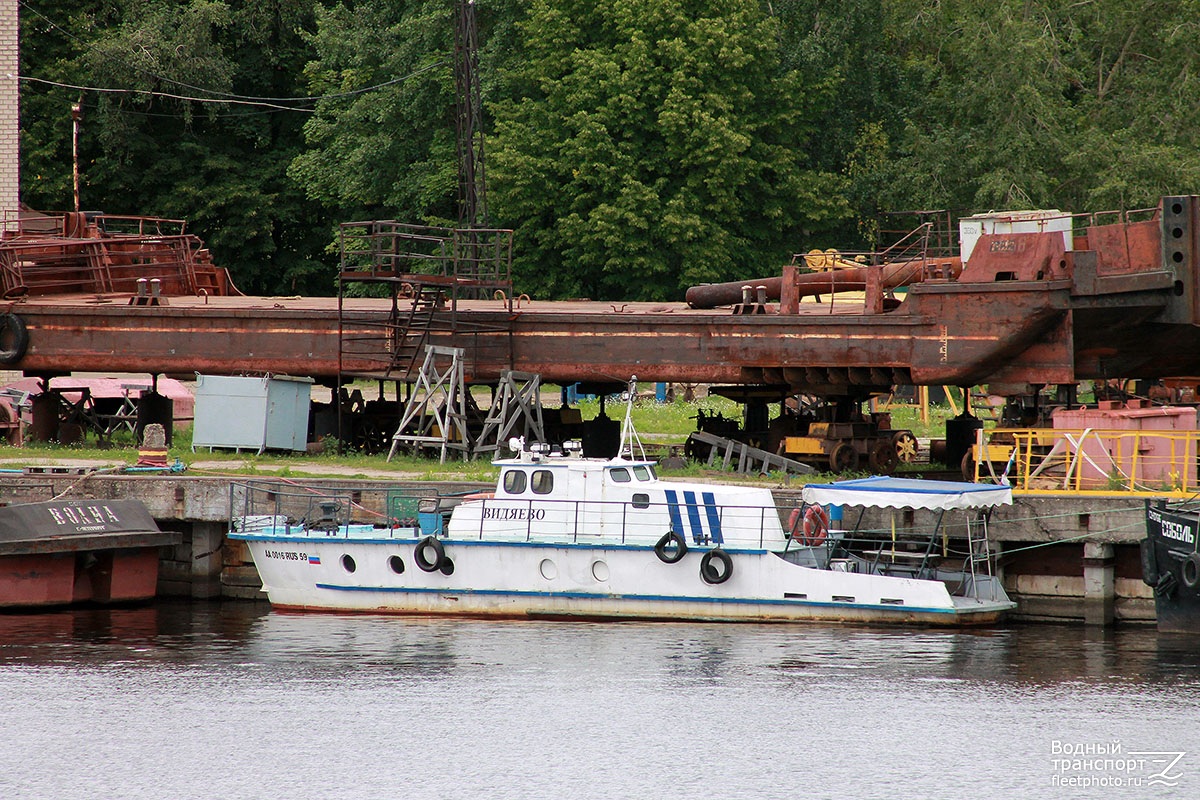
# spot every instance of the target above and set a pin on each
(896, 274)
(711, 295)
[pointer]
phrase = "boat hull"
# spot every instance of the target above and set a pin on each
(582, 581)
(63, 578)
(1171, 564)
(79, 551)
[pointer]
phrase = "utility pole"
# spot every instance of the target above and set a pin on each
(76, 118)
(472, 183)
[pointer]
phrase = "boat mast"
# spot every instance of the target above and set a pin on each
(629, 436)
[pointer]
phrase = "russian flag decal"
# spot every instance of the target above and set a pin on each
(314, 559)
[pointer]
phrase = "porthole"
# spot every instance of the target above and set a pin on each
(548, 569)
(600, 571)
(641, 500)
(348, 563)
(397, 564)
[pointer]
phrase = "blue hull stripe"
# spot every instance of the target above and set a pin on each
(673, 507)
(734, 601)
(714, 519)
(694, 517)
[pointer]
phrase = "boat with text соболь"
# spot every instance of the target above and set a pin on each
(1171, 564)
(563, 536)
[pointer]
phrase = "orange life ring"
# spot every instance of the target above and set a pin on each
(793, 523)
(814, 528)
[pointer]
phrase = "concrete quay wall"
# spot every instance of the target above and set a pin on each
(1063, 558)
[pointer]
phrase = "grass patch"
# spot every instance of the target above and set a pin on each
(662, 421)
(909, 418)
(656, 423)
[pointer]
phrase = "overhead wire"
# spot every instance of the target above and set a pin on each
(228, 98)
(151, 93)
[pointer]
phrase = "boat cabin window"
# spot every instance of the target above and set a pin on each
(619, 475)
(514, 481)
(641, 500)
(542, 481)
(642, 473)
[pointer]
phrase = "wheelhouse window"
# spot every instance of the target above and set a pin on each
(619, 475)
(642, 473)
(542, 481)
(514, 481)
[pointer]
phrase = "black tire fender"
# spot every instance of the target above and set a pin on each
(716, 566)
(14, 338)
(1190, 571)
(421, 555)
(671, 548)
(1150, 573)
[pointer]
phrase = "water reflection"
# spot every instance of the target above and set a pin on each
(198, 700)
(168, 632)
(249, 636)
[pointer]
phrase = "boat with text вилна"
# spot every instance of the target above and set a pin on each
(564, 536)
(1171, 564)
(62, 552)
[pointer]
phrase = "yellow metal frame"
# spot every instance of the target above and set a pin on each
(921, 403)
(802, 446)
(1053, 461)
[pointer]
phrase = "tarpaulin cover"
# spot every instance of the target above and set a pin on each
(884, 492)
(64, 518)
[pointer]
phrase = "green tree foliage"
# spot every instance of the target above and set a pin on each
(655, 145)
(220, 166)
(47, 52)
(1082, 106)
(637, 146)
(845, 49)
(391, 152)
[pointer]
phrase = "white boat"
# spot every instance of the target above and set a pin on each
(564, 536)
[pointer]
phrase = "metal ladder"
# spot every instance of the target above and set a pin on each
(979, 549)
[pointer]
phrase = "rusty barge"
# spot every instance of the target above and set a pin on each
(1091, 297)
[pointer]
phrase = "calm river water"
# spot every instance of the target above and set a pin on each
(232, 701)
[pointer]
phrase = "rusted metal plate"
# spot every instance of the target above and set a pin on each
(944, 333)
(1018, 315)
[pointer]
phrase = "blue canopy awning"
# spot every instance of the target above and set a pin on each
(885, 492)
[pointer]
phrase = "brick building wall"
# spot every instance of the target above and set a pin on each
(10, 165)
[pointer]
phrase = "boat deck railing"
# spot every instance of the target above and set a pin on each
(627, 522)
(1088, 460)
(326, 510)
(409, 511)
